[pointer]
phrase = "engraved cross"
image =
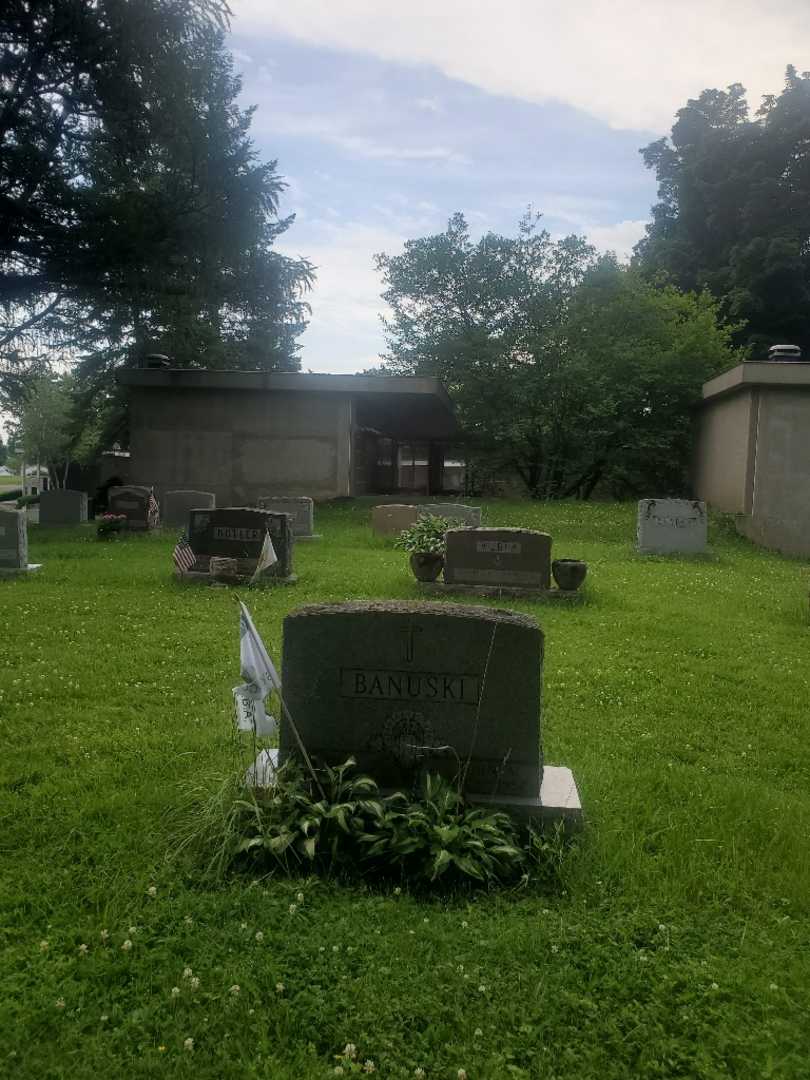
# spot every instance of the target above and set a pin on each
(408, 643)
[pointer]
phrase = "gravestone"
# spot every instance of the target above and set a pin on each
(467, 515)
(672, 526)
(414, 688)
(391, 518)
(178, 504)
(238, 532)
(498, 557)
(133, 502)
(61, 506)
(14, 543)
(300, 508)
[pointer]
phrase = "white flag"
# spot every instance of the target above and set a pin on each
(260, 676)
(267, 557)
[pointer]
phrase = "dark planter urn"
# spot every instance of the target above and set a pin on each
(569, 573)
(426, 565)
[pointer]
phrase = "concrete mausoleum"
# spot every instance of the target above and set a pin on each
(244, 435)
(753, 451)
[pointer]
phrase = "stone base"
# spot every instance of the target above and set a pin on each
(196, 577)
(558, 800)
(311, 536)
(502, 590)
(16, 571)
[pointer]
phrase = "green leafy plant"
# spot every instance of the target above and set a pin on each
(425, 536)
(350, 829)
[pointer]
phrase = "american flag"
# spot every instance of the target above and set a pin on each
(184, 557)
(153, 511)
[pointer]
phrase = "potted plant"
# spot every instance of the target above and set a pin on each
(110, 524)
(425, 542)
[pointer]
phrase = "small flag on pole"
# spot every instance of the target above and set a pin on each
(260, 676)
(153, 511)
(184, 557)
(267, 558)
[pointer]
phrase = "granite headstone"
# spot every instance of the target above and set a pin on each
(178, 504)
(466, 515)
(508, 557)
(13, 541)
(672, 526)
(300, 508)
(133, 502)
(390, 519)
(61, 506)
(238, 532)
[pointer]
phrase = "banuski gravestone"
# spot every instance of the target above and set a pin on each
(513, 558)
(415, 688)
(672, 526)
(238, 532)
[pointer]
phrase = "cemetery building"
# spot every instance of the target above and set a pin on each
(753, 451)
(246, 435)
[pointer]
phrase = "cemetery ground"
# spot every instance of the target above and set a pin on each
(673, 941)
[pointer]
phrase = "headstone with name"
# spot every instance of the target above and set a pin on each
(133, 502)
(390, 519)
(466, 515)
(409, 689)
(300, 508)
(61, 506)
(672, 526)
(14, 543)
(498, 557)
(177, 505)
(238, 532)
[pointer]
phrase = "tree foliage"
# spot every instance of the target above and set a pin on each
(733, 213)
(566, 370)
(135, 214)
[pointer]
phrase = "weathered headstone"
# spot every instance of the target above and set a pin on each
(61, 506)
(133, 502)
(238, 532)
(413, 688)
(177, 504)
(672, 526)
(391, 518)
(14, 543)
(300, 508)
(507, 557)
(466, 515)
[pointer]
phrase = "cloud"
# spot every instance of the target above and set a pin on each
(620, 238)
(630, 64)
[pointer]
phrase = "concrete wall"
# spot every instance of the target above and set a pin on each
(241, 445)
(724, 452)
(779, 514)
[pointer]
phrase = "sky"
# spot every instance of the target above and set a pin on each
(387, 117)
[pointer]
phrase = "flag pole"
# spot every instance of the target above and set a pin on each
(295, 731)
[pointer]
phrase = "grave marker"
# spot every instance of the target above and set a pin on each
(391, 518)
(14, 543)
(413, 688)
(178, 504)
(61, 506)
(133, 502)
(467, 515)
(300, 508)
(672, 526)
(238, 532)
(492, 557)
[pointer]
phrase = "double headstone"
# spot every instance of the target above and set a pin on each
(512, 558)
(672, 526)
(178, 504)
(409, 689)
(61, 506)
(465, 515)
(300, 508)
(133, 502)
(390, 519)
(14, 543)
(238, 532)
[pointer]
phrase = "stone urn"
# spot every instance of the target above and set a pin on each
(569, 573)
(426, 565)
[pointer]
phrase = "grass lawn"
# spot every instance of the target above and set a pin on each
(676, 945)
